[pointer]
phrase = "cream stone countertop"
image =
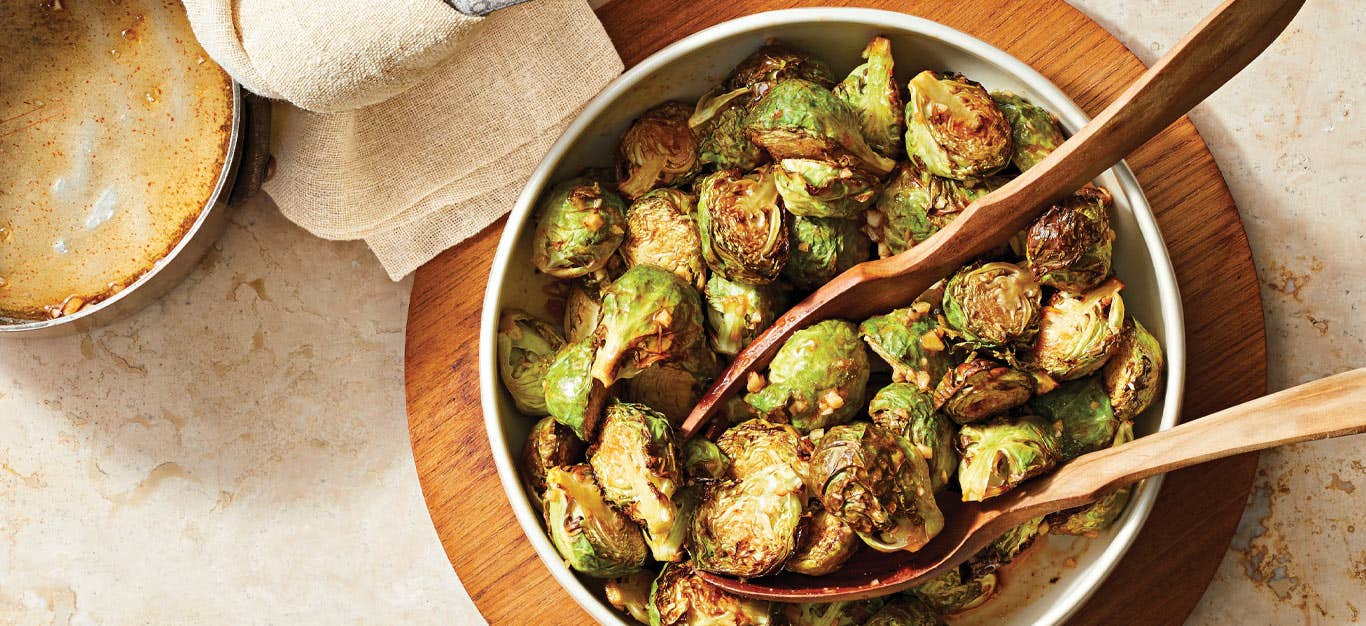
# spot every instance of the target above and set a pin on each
(238, 452)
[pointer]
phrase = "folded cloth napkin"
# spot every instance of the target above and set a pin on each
(414, 123)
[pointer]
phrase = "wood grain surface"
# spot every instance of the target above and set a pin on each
(1166, 571)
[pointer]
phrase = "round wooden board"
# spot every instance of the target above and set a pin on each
(1162, 576)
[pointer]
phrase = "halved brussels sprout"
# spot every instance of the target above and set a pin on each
(526, 346)
(798, 119)
(1133, 374)
(636, 463)
(871, 91)
(1082, 417)
(738, 312)
(758, 445)
(582, 311)
(1069, 247)
(719, 123)
(999, 456)
(744, 237)
(826, 543)
(549, 444)
(1077, 334)
(817, 379)
(649, 315)
(658, 149)
(581, 224)
(957, 590)
(703, 460)
(980, 388)
(1035, 131)
(903, 409)
(591, 536)
(954, 127)
(843, 613)
(822, 248)
(631, 594)
(679, 597)
(1005, 548)
(916, 204)
(911, 340)
(669, 388)
(905, 610)
(993, 304)
(878, 484)
(1090, 519)
(572, 396)
(775, 62)
(660, 231)
(816, 188)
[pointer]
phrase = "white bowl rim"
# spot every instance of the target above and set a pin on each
(1169, 300)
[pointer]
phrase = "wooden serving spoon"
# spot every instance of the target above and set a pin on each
(1224, 43)
(1330, 407)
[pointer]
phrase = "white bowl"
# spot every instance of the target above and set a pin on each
(1050, 582)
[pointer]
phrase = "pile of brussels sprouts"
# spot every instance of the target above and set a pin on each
(718, 215)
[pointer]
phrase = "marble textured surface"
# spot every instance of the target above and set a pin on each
(238, 452)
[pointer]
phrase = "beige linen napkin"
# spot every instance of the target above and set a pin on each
(414, 126)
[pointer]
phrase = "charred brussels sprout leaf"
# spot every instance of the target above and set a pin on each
(844, 613)
(911, 340)
(776, 62)
(871, 91)
(1133, 374)
(719, 123)
(550, 444)
(649, 315)
(1035, 131)
(526, 346)
(659, 149)
(905, 610)
(572, 397)
(957, 590)
(822, 248)
(636, 464)
(816, 188)
(817, 378)
(679, 597)
(1092, 518)
(590, 535)
(738, 312)
(993, 304)
(631, 594)
(916, 204)
(1005, 548)
(1077, 334)
(744, 237)
(1082, 417)
(980, 388)
(826, 543)
(660, 231)
(798, 119)
(878, 485)
(999, 456)
(581, 224)
(954, 127)
(703, 460)
(903, 409)
(1069, 247)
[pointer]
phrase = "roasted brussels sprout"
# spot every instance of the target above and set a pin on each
(744, 237)
(776, 62)
(822, 248)
(871, 91)
(757, 445)
(825, 544)
(911, 340)
(659, 149)
(980, 388)
(1133, 374)
(1005, 548)
(993, 304)
(1082, 417)
(1070, 245)
(843, 613)
(668, 388)
(916, 204)
(660, 231)
(631, 594)
(526, 346)
(905, 610)
(798, 119)
(680, 597)
(903, 409)
(817, 379)
(581, 224)
(582, 311)
(719, 123)
(1078, 333)
(549, 444)
(637, 465)
(816, 188)
(590, 535)
(1000, 455)
(957, 590)
(572, 396)
(703, 460)
(737, 312)
(1035, 131)
(649, 315)
(1090, 519)
(954, 127)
